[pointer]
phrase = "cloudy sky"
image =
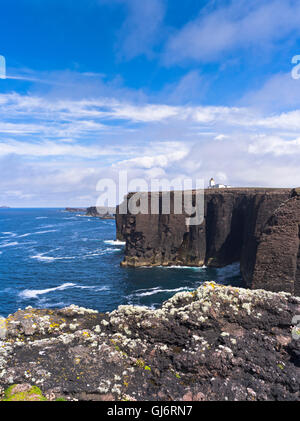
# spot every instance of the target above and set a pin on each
(161, 88)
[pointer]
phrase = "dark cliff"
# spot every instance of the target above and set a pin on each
(233, 230)
(81, 210)
(278, 252)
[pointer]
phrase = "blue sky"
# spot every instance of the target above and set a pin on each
(162, 88)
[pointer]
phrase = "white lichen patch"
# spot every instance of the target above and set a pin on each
(73, 309)
(3, 328)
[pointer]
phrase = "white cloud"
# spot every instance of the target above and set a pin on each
(221, 137)
(140, 31)
(157, 155)
(53, 152)
(274, 145)
(76, 119)
(48, 149)
(279, 92)
(243, 25)
(146, 113)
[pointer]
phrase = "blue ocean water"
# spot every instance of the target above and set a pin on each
(51, 258)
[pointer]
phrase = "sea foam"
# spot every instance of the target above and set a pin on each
(115, 242)
(15, 243)
(34, 293)
(158, 290)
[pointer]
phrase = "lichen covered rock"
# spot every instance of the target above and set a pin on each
(23, 392)
(214, 343)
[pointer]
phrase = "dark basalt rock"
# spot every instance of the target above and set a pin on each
(232, 230)
(215, 343)
(277, 263)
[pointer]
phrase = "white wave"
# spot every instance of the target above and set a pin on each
(46, 304)
(42, 257)
(185, 267)
(37, 232)
(43, 232)
(173, 267)
(99, 252)
(12, 234)
(158, 291)
(148, 289)
(115, 242)
(94, 288)
(15, 243)
(92, 255)
(34, 293)
(41, 217)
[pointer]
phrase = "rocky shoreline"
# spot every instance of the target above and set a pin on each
(214, 343)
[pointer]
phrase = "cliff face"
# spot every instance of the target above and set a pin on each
(232, 231)
(215, 343)
(277, 264)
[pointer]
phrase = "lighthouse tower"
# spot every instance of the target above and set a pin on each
(212, 183)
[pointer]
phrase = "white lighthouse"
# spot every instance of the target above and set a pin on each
(212, 183)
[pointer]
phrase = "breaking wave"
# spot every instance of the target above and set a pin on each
(34, 293)
(115, 242)
(158, 290)
(15, 243)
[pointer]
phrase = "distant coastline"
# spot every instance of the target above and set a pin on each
(76, 210)
(96, 212)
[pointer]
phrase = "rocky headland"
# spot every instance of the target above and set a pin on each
(214, 343)
(79, 210)
(257, 227)
(101, 212)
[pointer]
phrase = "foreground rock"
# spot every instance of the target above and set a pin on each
(215, 343)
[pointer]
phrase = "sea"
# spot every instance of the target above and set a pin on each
(50, 258)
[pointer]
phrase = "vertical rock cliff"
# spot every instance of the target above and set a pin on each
(235, 228)
(277, 259)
